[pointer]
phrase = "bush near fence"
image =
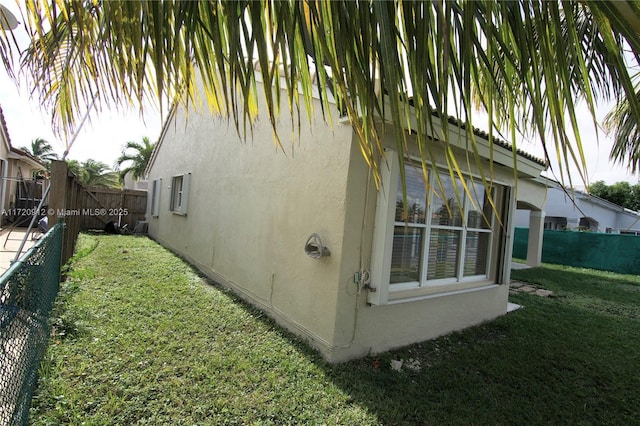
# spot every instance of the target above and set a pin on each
(606, 252)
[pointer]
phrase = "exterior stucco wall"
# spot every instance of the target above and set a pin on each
(14, 169)
(251, 208)
(559, 204)
(605, 217)
(361, 328)
(628, 221)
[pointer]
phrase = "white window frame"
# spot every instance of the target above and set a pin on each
(156, 190)
(180, 193)
(383, 247)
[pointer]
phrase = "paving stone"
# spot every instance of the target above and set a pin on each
(543, 293)
(516, 284)
(527, 289)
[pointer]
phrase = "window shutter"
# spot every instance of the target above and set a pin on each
(173, 194)
(155, 198)
(186, 181)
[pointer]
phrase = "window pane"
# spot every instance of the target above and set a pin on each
(475, 219)
(416, 197)
(443, 254)
(176, 193)
(405, 257)
(440, 214)
(476, 253)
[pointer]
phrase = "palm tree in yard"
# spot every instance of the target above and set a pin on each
(136, 156)
(41, 149)
(94, 173)
(525, 62)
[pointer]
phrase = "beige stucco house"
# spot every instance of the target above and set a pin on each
(19, 187)
(256, 219)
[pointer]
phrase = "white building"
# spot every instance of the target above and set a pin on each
(567, 209)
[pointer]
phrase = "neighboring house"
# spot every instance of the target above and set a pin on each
(5, 149)
(306, 236)
(131, 183)
(575, 210)
(20, 187)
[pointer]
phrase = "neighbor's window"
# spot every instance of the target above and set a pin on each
(155, 197)
(180, 193)
(444, 235)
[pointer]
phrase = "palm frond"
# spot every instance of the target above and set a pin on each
(525, 62)
(136, 156)
(625, 130)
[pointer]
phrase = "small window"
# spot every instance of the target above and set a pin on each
(155, 197)
(180, 194)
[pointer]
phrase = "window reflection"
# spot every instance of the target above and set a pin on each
(446, 211)
(416, 197)
(455, 243)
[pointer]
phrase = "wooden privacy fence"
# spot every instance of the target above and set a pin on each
(85, 208)
(101, 205)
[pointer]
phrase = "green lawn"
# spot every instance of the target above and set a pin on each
(140, 338)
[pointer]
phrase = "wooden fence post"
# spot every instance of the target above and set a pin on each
(58, 192)
(61, 200)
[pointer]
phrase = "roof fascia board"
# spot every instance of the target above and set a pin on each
(25, 159)
(600, 201)
(458, 138)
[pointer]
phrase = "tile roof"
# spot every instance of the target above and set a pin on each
(3, 123)
(485, 135)
(497, 141)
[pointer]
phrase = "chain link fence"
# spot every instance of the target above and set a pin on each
(27, 293)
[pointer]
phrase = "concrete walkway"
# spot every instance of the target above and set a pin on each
(516, 287)
(515, 265)
(10, 240)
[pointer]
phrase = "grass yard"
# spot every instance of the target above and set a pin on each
(140, 338)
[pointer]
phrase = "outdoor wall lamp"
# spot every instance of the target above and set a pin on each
(314, 247)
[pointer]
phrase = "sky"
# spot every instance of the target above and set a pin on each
(103, 136)
(596, 145)
(100, 139)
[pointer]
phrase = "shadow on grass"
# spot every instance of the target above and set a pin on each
(549, 363)
(545, 364)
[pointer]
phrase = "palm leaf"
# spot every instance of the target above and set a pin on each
(526, 62)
